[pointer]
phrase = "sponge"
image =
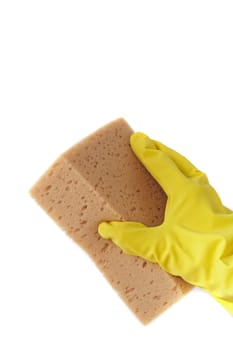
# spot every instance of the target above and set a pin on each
(100, 179)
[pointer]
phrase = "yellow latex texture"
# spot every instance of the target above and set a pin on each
(195, 240)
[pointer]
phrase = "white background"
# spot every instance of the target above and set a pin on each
(67, 68)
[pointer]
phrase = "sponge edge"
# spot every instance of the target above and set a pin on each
(100, 179)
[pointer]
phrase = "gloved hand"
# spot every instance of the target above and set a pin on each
(195, 241)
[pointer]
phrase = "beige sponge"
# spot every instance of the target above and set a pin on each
(101, 179)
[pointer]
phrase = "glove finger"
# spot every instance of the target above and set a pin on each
(183, 163)
(132, 237)
(159, 165)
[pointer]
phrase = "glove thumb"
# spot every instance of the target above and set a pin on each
(133, 238)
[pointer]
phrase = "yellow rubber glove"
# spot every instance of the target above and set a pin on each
(195, 240)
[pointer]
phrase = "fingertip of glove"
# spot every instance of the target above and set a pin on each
(140, 142)
(103, 230)
(136, 137)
